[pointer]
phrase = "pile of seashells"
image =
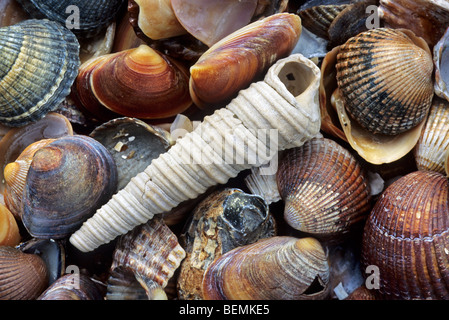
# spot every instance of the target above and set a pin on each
(259, 149)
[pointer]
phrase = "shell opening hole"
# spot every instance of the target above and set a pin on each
(296, 77)
(315, 287)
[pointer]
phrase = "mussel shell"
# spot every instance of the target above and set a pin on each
(385, 77)
(317, 19)
(406, 237)
(324, 187)
(441, 61)
(23, 276)
(94, 15)
(276, 268)
(68, 180)
(40, 62)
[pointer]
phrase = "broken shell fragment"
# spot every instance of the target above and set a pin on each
(40, 63)
(285, 103)
(226, 219)
(152, 253)
(154, 86)
(277, 268)
(385, 78)
(237, 60)
(325, 189)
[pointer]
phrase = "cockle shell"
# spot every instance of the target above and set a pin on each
(23, 276)
(317, 19)
(426, 18)
(385, 78)
(433, 144)
(67, 180)
(151, 252)
(277, 268)
(155, 85)
(9, 229)
(237, 60)
(406, 238)
(86, 18)
(324, 188)
(285, 103)
(36, 75)
(226, 219)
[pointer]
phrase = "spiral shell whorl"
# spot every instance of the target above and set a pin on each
(203, 157)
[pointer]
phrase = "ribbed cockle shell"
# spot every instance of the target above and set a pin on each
(385, 77)
(407, 238)
(154, 85)
(277, 268)
(324, 187)
(39, 64)
(285, 104)
(237, 60)
(23, 276)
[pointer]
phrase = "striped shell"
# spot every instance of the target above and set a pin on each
(92, 15)
(73, 286)
(277, 268)
(433, 144)
(285, 103)
(39, 64)
(318, 19)
(23, 276)
(239, 59)
(152, 252)
(325, 189)
(385, 77)
(407, 237)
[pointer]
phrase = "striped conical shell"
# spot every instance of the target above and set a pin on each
(324, 187)
(386, 79)
(433, 143)
(407, 238)
(225, 143)
(38, 66)
(276, 268)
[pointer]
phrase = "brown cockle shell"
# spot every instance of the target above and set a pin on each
(385, 77)
(67, 180)
(152, 252)
(23, 276)
(433, 144)
(154, 86)
(325, 189)
(240, 58)
(426, 18)
(406, 238)
(224, 220)
(276, 268)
